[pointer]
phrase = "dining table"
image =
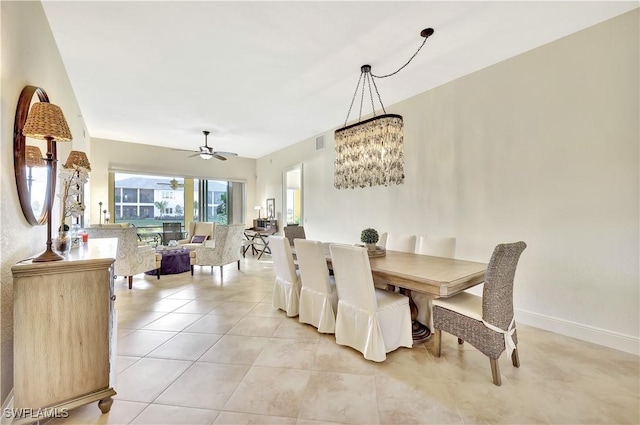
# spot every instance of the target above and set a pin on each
(433, 276)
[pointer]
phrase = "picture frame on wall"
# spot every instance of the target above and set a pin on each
(271, 208)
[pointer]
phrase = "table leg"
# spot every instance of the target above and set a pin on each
(420, 332)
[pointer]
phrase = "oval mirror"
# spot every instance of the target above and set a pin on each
(32, 177)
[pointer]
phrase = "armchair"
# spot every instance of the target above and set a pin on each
(199, 229)
(228, 248)
(131, 258)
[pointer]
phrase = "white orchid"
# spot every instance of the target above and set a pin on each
(72, 181)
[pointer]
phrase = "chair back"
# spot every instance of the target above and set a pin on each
(497, 296)
(294, 232)
(437, 247)
(127, 245)
(202, 228)
(228, 239)
(354, 281)
(171, 231)
(282, 258)
(402, 243)
(313, 265)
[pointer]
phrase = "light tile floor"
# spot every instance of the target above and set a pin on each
(195, 350)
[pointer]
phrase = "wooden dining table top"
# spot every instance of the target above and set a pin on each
(439, 276)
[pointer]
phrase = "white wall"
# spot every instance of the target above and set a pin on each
(29, 57)
(543, 147)
(132, 157)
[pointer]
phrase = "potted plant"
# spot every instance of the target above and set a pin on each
(369, 237)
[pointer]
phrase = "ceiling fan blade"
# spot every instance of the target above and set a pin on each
(183, 150)
(220, 157)
(222, 153)
(195, 154)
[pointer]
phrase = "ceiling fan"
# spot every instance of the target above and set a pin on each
(206, 152)
(173, 183)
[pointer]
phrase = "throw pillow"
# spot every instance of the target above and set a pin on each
(199, 238)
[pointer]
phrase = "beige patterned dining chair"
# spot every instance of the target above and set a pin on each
(370, 320)
(287, 286)
(485, 322)
(318, 296)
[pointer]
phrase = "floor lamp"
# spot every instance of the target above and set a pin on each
(46, 122)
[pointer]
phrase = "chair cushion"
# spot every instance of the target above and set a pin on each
(199, 238)
(463, 303)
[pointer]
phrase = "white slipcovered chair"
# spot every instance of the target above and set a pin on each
(286, 289)
(394, 242)
(199, 228)
(131, 259)
(318, 296)
(437, 247)
(227, 249)
(370, 320)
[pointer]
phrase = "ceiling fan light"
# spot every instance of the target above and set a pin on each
(206, 155)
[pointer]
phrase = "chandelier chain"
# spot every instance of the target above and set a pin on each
(402, 67)
(379, 97)
(353, 100)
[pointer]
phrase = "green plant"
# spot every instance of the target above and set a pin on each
(369, 235)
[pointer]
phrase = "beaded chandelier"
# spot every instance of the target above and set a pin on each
(370, 153)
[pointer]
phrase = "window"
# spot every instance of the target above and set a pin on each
(220, 201)
(146, 202)
(293, 195)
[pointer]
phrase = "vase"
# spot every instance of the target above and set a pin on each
(62, 243)
(371, 246)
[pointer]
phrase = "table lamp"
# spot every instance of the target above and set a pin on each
(46, 122)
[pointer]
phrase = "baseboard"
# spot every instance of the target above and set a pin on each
(593, 334)
(6, 407)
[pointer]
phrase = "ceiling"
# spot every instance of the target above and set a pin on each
(264, 75)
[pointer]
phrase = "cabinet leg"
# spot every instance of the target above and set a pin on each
(105, 404)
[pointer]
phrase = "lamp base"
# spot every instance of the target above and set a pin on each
(48, 255)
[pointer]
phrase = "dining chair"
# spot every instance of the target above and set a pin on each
(287, 286)
(294, 232)
(318, 296)
(402, 243)
(370, 320)
(437, 247)
(485, 322)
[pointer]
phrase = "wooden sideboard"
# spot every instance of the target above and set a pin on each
(265, 224)
(64, 332)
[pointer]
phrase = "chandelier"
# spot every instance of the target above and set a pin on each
(370, 153)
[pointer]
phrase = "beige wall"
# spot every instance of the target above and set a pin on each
(29, 57)
(132, 157)
(543, 147)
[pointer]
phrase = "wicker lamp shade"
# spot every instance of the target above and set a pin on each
(46, 120)
(34, 157)
(77, 159)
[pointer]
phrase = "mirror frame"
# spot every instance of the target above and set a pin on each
(20, 160)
